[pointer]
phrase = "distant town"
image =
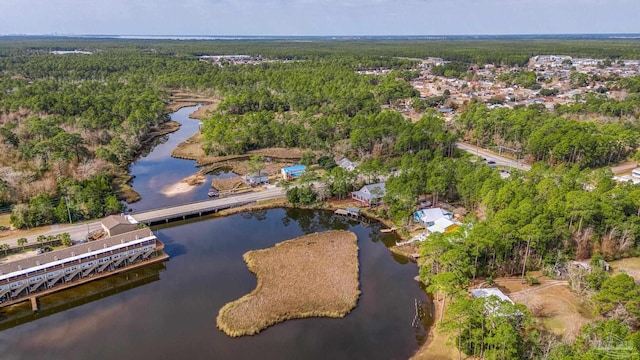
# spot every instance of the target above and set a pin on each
(489, 83)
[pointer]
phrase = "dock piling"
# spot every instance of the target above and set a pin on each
(34, 303)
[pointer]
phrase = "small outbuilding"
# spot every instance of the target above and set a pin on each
(442, 225)
(116, 225)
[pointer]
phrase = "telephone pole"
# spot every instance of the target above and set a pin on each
(66, 198)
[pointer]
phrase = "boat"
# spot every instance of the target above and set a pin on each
(388, 230)
(213, 192)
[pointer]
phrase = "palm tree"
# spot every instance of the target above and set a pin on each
(22, 242)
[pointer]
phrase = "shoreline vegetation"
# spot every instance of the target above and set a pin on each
(122, 179)
(178, 101)
(315, 275)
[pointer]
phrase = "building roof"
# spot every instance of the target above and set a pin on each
(382, 186)
(441, 225)
(368, 191)
(353, 210)
(483, 293)
(430, 215)
(627, 178)
(114, 220)
(346, 163)
(294, 168)
(71, 251)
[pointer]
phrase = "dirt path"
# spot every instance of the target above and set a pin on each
(537, 289)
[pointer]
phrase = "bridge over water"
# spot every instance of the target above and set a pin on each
(200, 208)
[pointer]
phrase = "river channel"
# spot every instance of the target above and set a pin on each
(157, 170)
(168, 311)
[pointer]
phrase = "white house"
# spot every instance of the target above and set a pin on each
(485, 293)
(428, 217)
(347, 164)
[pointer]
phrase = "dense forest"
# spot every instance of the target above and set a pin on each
(555, 137)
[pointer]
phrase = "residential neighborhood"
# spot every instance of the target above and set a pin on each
(559, 74)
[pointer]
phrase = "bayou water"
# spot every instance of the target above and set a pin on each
(169, 311)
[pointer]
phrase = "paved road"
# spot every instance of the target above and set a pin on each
(77, 231)
(491, 156)
(81, 230)
(624, 168)
(500, 160)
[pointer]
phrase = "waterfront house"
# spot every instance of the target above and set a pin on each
(293, 172)
(116, 225)
(428, 217)
(370, 195)
(256, 179)
(435, 220)
(60, 269)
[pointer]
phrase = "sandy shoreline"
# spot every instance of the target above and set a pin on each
(436, 347)
(185, 185)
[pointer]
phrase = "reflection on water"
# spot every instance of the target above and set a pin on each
(83, 294)
(156, 170)
(175, 318)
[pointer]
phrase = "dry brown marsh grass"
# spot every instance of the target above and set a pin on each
(309, 276)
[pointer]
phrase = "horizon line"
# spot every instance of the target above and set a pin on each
(170, 36)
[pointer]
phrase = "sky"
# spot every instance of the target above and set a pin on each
(318, 17)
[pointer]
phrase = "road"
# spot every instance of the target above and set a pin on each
(491, 156)
(81, 230)
(77, 231)
(623, 168)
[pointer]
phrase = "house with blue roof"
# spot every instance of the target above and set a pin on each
(293, 172)
(370, 195)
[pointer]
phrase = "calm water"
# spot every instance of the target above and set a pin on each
(174, 318)
(169, 311)
(157, 170)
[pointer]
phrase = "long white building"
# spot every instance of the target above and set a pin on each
(48, 272)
